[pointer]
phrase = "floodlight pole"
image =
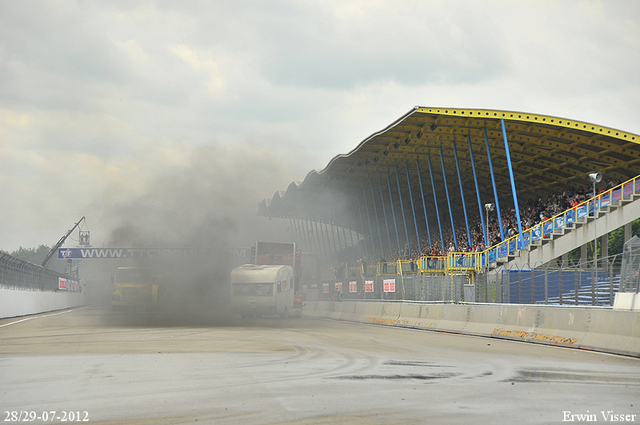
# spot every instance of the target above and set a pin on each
(595, 233)
(595, 177)
(487, 247)
(487, 207)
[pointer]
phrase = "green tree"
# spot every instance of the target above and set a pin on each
(615, 242)
(37, 256)
(32, 255)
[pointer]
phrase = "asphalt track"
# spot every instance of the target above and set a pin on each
(147, 368)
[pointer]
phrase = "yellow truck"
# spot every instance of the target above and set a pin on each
(134, 287)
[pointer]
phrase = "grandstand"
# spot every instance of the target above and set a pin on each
(457, 199)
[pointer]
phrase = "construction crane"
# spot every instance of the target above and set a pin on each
(45, 262)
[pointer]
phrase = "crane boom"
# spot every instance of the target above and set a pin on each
(59, 244)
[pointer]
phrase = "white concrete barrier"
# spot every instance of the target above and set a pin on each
(14, 303)
(592, 328)
(626, 301)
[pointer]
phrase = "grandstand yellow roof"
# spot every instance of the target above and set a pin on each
(548, 155)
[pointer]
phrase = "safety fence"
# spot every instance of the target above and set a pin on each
(416, 287)
(581, 284)
(19, 274)
(630, 270)
(556, 284)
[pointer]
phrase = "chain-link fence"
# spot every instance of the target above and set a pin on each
(630, 273)
(415, 287)
(554, 283)
(19, 274)
(578, 284)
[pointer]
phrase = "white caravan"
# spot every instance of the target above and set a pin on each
(262, 290)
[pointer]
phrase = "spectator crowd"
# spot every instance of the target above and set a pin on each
(532, 212)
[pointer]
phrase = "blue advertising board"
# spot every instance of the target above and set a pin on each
(113, 253)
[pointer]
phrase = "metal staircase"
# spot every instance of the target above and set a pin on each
(604, 214)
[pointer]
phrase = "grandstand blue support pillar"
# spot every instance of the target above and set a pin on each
(303, 240)
(293, 231)
(316, 244)
(321, 240)
(424, 205)
(364, 236)
(435, 201)
(375, 209)
(338, 227)
(344, 226)
(301, 234)
(354, 217)
(513, 181)
(332, 229)
(335, 219)
(348, 226)
(317, 241)
(325, 234)
(312, 237)
(475, 179)
(303, 226)
(393, 214)
(298, 223)
(404, 220)
(366, 206)
(464, 205)
(413, 208)
(446, 191)
(493, 181)
(384, 211)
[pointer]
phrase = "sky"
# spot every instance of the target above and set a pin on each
(170, 121)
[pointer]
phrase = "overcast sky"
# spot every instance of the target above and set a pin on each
(133, 113)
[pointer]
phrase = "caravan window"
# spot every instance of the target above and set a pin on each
(252, 289)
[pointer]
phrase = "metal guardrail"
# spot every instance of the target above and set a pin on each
(19, 274)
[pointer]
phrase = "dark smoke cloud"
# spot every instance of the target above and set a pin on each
(210, 202)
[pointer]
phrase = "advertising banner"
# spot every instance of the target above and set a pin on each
(339, 286)
(493, 255)
(110, 253)
(536, 232)
(616, 195)
(68, 285)
(571, 216)
(325, 288)
(526, 239)
(503, 249)
(368, 286)
(353, 286)
(581, 212)
(547, 228)
(389, 285)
